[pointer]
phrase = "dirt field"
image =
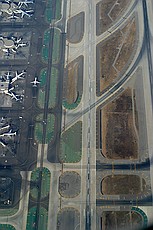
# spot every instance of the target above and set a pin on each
(118, 132)
(114, 54)
(119, 220)
(69, 184)
(73, 80)
(108, 11)
(122, 184)
(68, 219)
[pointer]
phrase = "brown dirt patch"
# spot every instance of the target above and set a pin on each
(108, 12)
(119, 140)
(121, 219)
(122, 184)
(113, 55)
(127, 47)
(72, 83)
(73, 80)
(69, 184)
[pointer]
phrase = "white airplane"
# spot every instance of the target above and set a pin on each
(2, 144)
(15, 39)
(4, 128)
(20, 95)
(5, 50)
(21, 45)
(23, 13)
(8, 134)
(8, 11)
(13, 96)
(20, 74)
(17, 76)
(25, 3)
(14, 50)
(2, 119)
(7, 75)
(35, 82)
(13, 17)
(12, 88)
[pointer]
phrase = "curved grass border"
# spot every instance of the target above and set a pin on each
(142, 213)
(73, 105)
(8, 212)
(7, 227)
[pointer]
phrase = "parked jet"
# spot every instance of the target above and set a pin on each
(2, 119)
(28, 13)
(17, 76)
(11, 89)
(13, 96)
(25, 3)
(4, 128)
(2, 144)
(7, 75)
(8, 134)
(35, 82)
(21, 45)
(13, 16)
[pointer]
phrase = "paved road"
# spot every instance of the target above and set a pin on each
(131, 166)
(142, 202)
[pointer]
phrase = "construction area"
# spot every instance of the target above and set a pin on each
(108, 11)
(118, 137)
(115, 54)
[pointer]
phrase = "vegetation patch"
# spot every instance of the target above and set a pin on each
(41, 98)
(38, 132)
(53, 87)
(71, 144)
(32, 219)
(35, 182)
(45, 46)
(53, 11)
(43, 77)
(56, 47)
(50, 128)
(6, 227)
